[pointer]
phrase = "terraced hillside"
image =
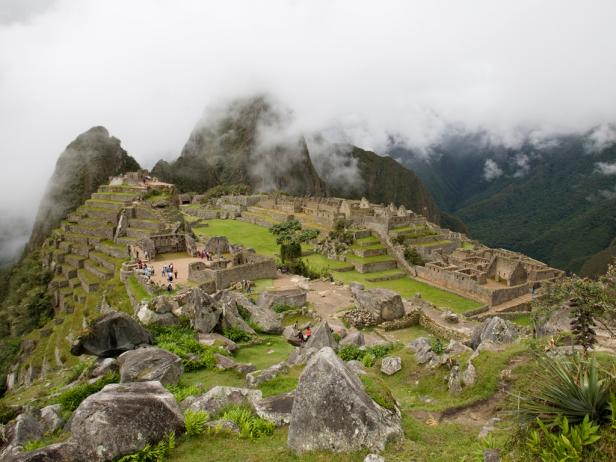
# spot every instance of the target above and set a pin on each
(85, 255)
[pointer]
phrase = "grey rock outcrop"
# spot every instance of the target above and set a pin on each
(122, 418)
(374, 458)
(110, 335)
(51, 418)
(423, 350)
(214, 339)
(384, 303)
(354, 338)
(151, 363)
(291, 297)
(219, 397)
(202, 311)
(256, 378)
(391, 364)
(105, 365)
(300, 356)
(322, 337)
(454, 382)
(291, 335)
(268, 321)
(356, 366)
(276, 409)
(494, 329)
(332, 412)
(469, 375)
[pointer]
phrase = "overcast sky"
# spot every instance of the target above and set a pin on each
(146, 69)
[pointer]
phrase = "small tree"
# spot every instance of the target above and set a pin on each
(290, 236)
(412, 256)
(582, 324)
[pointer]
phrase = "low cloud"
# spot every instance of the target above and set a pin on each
(600, 138)
(606, 168)
(491, 170)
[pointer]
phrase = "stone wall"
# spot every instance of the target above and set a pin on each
(169, 243)
(259, 268)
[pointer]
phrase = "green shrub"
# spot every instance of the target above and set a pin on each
(76, 371)
(353, 352)
(182, 341)
(8, 413)
(350, 352)
(236, 335)
(281, 307)
(181, 392)
(573, 388)
(376, 388)
(48, 439)
(381, 350)
(368, 360)
(437, 346)
(195, 422)
(567, 444)
(412, 256)
(250, 425)
(150, 453)
(72, 398)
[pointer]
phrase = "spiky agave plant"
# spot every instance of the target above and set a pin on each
(570, 387)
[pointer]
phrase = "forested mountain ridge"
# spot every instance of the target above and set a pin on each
(552, 201)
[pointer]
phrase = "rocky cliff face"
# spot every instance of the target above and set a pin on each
(244, 142)
(380, 179)
(85, 164)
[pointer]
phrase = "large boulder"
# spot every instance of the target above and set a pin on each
(384, 303)
(264, 317)
(214, 339)
(202, 310)
(291, 297)
(276, 409)
(322, 337)
(217, 245)
(496, 330)
(354, 338)
(332, 412)
(151, 363)
(423, 350)
(122, 418)
(391, 364)
(230, 316)
(291, 335)
(110, 335)
(219, 397)
(256, 378)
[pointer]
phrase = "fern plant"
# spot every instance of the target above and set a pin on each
(195, 422)
(565, 445)
(150, 453)
(250, 425)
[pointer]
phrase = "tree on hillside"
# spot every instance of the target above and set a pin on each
(290, 236)
(592, 303)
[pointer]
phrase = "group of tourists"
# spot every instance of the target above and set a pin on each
(246, 285)
(169, 272)
(204, 254)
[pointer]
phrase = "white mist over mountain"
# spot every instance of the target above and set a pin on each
(367, 73)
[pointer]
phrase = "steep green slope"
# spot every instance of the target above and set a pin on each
(243, 143)
(86, 163)
(549, 201)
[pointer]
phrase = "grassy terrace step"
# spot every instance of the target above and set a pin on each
(434, 243)
(373, 259)
(369, 251)
(112, 249)
(139, 232)
(59, 281)
(100, 212)
(367, 241)
(74, 282)
(74, 260)
(89, 282)
(100, 272)
(144, 223)
(69, 271)
(81, 239)
(387, 276)
(102, 230)
(82, 250)
(127, 240)
(145, 213)
(79, 295)
(125, 188)
(115, 197)
(105, 260)
(109, 205)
